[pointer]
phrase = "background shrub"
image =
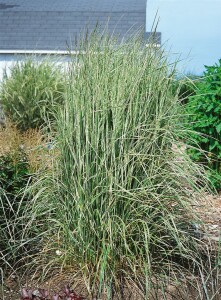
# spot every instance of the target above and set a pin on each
(30, 92)
(204, 120)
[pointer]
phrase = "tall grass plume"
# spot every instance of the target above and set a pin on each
(116, 205)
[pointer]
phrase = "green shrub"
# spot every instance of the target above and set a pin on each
(30, 91)
(204, 120)
(118, 195)
(14, 177)
(13, 173)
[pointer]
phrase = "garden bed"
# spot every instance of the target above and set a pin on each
(96, 191)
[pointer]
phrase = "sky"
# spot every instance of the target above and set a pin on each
(191, 31)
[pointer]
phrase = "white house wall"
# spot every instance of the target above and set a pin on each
(8, 60)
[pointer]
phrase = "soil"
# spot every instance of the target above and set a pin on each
(209, 210)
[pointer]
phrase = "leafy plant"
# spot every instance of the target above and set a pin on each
(30, 92)
(21, 158)
(13, 173)
(204, 121)
(14, 177)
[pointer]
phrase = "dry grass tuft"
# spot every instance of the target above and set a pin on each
(38, 149)
(33, 142)
(10, 138)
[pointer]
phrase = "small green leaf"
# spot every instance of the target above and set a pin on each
(218, 128)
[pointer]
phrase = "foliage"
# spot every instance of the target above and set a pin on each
(118, 195)
(30, 91)
(36, 145)
(14, 177)
(39, 150)
(13, 173)
(22, 157)
(186, 86)
(204, 118)
(10, 138)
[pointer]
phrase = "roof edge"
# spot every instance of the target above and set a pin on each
(58, 52)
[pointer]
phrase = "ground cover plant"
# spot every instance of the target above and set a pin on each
(30, 91)
(14, 177)
(116, 203)
(21, 155)
(204, 122)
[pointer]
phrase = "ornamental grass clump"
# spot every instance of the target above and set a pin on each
(117, 205)
(31, 90)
